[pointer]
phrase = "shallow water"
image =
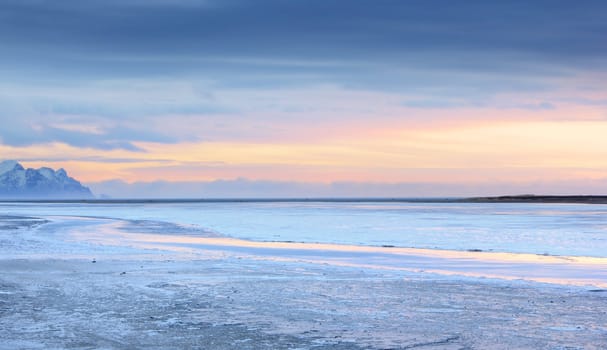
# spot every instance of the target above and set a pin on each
(554, 229)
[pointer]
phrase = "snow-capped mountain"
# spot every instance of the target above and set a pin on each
(17, 182)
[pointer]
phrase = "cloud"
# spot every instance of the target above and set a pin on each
(94, 159)
(103, 115)
(435, 104)
(28, 131)
(116, 74)
(138, 38)
(537, 106)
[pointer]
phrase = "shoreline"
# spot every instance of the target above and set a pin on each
(544, 199)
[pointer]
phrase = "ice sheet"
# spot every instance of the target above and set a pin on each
(554, 229)
(81, 282)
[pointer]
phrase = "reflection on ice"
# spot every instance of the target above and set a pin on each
(556, 243)
(566, 270)
(554, 229)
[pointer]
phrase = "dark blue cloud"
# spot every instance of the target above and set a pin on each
(443, 53)
(99, 37)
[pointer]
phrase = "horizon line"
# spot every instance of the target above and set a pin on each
(524, 198)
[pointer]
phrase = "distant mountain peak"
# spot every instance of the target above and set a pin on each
(16, 182)
(9, 165)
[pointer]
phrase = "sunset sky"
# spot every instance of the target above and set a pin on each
(172, 98)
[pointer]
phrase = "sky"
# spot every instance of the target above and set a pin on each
(229, 98)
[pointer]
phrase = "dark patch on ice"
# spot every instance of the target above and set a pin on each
(434, 343)
(598, 290)
(166, 228)
(12, 222)
(14, 217)
(163, 285)
(6, 291)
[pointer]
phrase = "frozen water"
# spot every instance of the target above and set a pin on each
(166, 276)
(553, 229)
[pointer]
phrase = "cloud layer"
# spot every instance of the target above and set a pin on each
(345, 91)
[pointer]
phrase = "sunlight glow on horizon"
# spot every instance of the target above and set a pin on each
(519, 151)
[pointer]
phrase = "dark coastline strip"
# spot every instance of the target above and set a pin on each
(586, 199)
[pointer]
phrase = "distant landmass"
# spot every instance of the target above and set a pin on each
(530, 198)
(17, 182)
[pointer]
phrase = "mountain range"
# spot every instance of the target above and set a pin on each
(17, 182)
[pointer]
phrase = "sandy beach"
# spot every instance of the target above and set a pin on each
(78, 294)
